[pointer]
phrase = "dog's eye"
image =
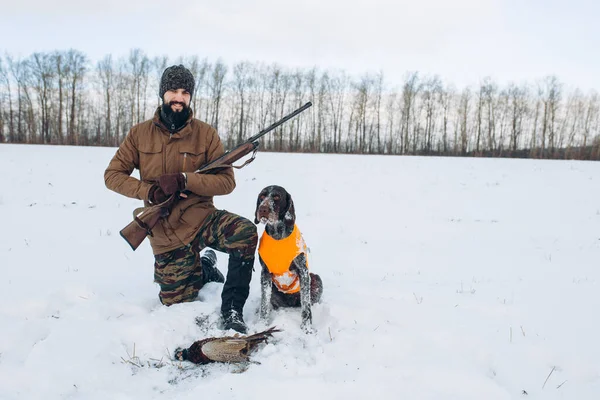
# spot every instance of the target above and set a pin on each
(276, 197)
(261, 197)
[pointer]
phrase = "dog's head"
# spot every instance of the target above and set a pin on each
(274, 204)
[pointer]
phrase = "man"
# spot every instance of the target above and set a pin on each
(167, 150)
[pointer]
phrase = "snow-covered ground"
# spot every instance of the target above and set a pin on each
(444, 279)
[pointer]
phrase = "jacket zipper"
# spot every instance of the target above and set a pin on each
(165, 157)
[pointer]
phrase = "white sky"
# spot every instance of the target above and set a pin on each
(460, 40)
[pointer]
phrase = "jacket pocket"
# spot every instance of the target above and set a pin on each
(151, 160)
(191, 158)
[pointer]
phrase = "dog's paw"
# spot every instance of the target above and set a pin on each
(307, 327)
(263, 314)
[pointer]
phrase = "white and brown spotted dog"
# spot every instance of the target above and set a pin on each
(285, 279)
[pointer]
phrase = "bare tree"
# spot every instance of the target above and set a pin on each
(551, 92)
(140, 69)
(3, 112)
(391, 111)
(518, 109)
(446, 100)
(410, 91)
(299, 92)
(311, 131)
(106, 74)
(26, 126)
(432, 89)
(321, 108)
(76, 65)
(200, 70)
(42, 76)
(378, 93)
(485, 100)
(463, 112)
(279, 86)
(574, 110)
(4, 76)
(242, 73)
(337, 87)
(592, 112)
(158, 66)
(362, 93)
(123, 119)
(491, 102)
(216, 87)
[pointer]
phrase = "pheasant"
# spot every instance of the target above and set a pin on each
(229, 349)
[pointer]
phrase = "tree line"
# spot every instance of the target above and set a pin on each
(61, 97)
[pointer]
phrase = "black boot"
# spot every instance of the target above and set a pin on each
(235, 293)
(210, 273)
(233, 319)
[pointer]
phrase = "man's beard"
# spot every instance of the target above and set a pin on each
(175, 119)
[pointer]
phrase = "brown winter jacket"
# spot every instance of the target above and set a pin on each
(151, 148)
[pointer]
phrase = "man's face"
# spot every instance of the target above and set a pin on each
(178, 99)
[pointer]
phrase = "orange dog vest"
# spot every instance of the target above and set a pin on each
(278, 256)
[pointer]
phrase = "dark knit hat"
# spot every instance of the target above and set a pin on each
(176, 77)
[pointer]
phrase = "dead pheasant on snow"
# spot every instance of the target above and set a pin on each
(229, 349)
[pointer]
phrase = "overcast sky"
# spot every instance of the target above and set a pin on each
(460, 40)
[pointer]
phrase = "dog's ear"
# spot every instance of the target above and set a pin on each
(288, 215)
(256, 221)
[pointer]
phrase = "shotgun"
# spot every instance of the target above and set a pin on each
(145, 218)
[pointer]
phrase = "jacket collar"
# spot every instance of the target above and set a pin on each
(183, 131)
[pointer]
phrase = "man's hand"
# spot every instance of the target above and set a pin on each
(171, 183)
(156, 194)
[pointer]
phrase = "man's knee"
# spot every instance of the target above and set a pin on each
(243, 238)
(178, 275)
(247, 231)
(182, 294)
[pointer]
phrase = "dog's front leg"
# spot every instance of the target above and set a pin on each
(305, 301)
(265, 291)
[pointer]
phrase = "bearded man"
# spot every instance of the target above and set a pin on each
(166, 150)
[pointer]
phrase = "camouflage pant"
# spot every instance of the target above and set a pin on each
(179, 272)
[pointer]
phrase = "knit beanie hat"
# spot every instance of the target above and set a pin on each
(176, 77)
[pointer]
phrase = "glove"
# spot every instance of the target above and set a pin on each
(171, 183)
(156, 195)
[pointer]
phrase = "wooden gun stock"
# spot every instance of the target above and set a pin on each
(144, 220)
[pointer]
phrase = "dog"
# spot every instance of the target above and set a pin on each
(285, 279)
